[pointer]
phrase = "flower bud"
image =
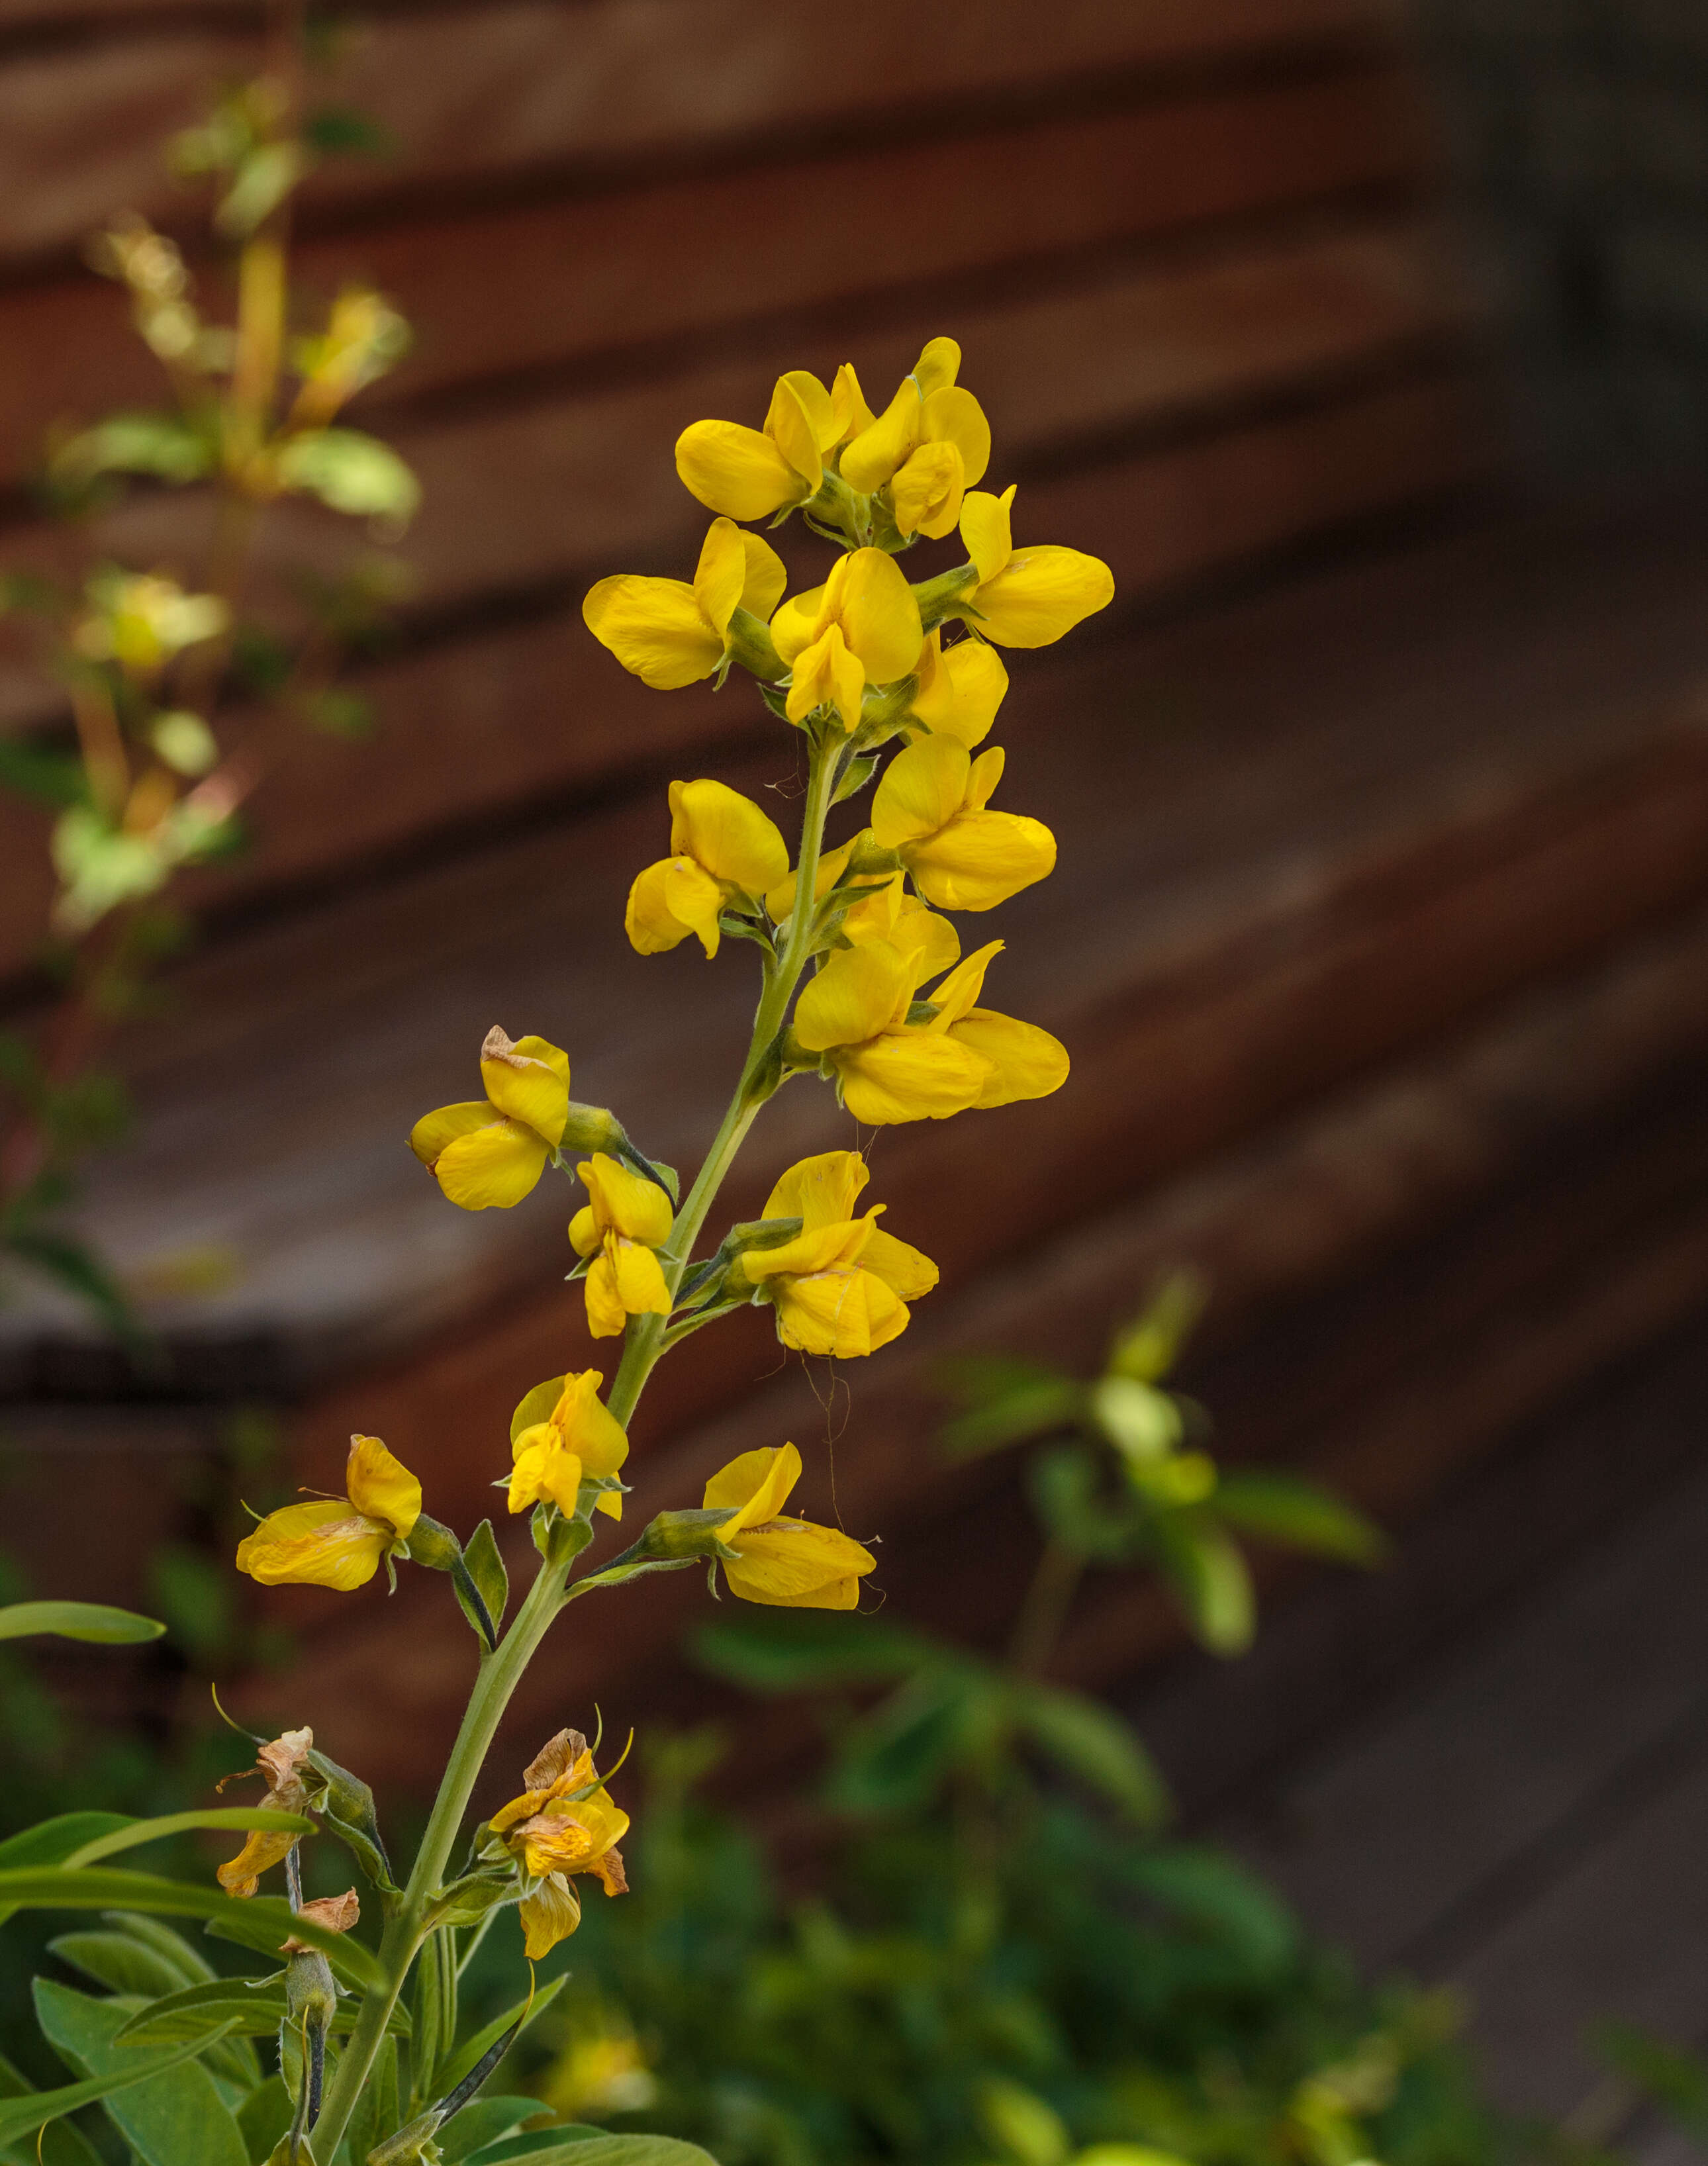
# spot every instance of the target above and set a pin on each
(591, 1128)
(431, 1543)
(310, 1994)
(675, 1534)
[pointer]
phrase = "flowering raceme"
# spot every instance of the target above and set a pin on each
(787, 1564)
(842, 1286)
(621, 1228)
(722, 848)
(341, 1541)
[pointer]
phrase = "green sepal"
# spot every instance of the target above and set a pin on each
(347, 1810)
(472, 1602)
(855, 776)
(480, 1554)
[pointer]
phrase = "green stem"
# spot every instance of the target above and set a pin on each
(499, 1676)
(645, 1342)
(1044, 1612)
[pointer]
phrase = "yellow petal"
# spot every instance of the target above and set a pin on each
(795, 626)
(435, 1130)
(959, 991)
(1024, 1061)
(544, 1471)
(819, 1191)
(815, 1248)
(528, 1080)
(754, 1486)
(952, 416)
(625, 1201)
(241, 1875)
(537, 1405)
(606, 1317)
(983, 776)
(905, 1269)
(549, 1914)
(791, 428)
(720, 574)
(960, 691)
(986, 530)
(926, 495)
(729, 834)
(848, 404)
(910, 1075)
(858, 992)
(815, 402)
(588, 1426)
(981, 859)
(923, 789)
(1041, 593)
(585, 1236)
(496, 1165)
(640, 1278)
(381, 1486)
(798, 1565)
(656, 628)
(846, 1313)
(937, 366)
(653, 928)
(826, 674)
(764, 579)
(736, 471)
(320, 1545)
(879, 615)
(694, 899)
(874, 454)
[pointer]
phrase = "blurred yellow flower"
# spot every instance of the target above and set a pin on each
(931, 808)
(563, 1823)
(560, 1434)
(628, 1218)
(338, 1541)
(669, 632)
(929, 444)
(1025, 597)
(721, 847)
(494, 1150)
(861, 628)
(842, 1286)
(788, 1564)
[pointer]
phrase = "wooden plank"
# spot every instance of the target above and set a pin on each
(520, 88)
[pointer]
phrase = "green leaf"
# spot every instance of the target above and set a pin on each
(894, 1759)
(190, 1966)
(250, 2007)
(80, 1271)
(341, 131)
(238, 1819)
(1149, 1346)
(163, 445)
(121, 1963)
(1673, 2077)
(1142, 1424)
(1208, 1574)
(470, 2051)
(1214, 1890)
(50, 1842)
(794, 1651)
(265, 2115)
(351, 472)
(378, 2111)
(46, 772)
(78, 1620)
(855, 776)
(164, 2106)
(1285, 1507)
(482, 2121)
(486, 1569)
(1090, 1741)
(63, 2143)
(262, 1921)
(1008, 1400)
(578, 2146)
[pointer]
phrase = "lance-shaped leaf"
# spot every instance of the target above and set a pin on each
(78, 1620)
(253, 2008)
(29, 2111)
(348, 1811)
(502, 2030)
(794, 1651)
(580, 2146)
(240, 1818)
(168, 2115)
(1091, 1742)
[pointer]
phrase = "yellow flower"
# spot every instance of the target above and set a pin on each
(861, 628)
(931, 810)
(854, 1015)
(562, 1433)
(842, 1286)
(282, 1762)
(889, 913)
(1022, 1061)
(563, 1823)
(789, 1564)
(749, 473)
(338, 1541)
(668, 633)
(1025, 597)
(721, 847)
(960, 690)
(627, 1219)
(930, 445)
(494, 1150)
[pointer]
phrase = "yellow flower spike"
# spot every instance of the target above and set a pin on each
(281, 1760)
(721, 847)
(861, 628)
(552, 1833)
(628, 1218)
(891, 913)
(787, 1564)
(340, 1541)
(931, 808)
(669, 632)
(1026, 597)
(561, 1434)
(492, 1151)
(855, 1016)
(749, 473)
(1021, 1060)
(960, 690)
(842, 1286)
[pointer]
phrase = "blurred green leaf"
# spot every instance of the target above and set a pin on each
(1209, 1575)
(336, 131)
(1141, 1423)
(1287, 1508)
(351, 472)
(1069, 1494)
(1675, 2078)
(52, 774)
(1149, 1346)
(196, 1594)
(265, 176)
(1207, 1887)
(1007, 1400)
(786, 1651)
(163, 445)
(78, 1620)
(1091, 1742)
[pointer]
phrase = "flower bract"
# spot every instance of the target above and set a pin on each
(493, 1150)
(722, 848)
(788, 1564)
(560, 1434)
(932, 808)
(338, 1541)
(1026, 597)
(671, 632)
(842, 1286)
(626, 1221)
